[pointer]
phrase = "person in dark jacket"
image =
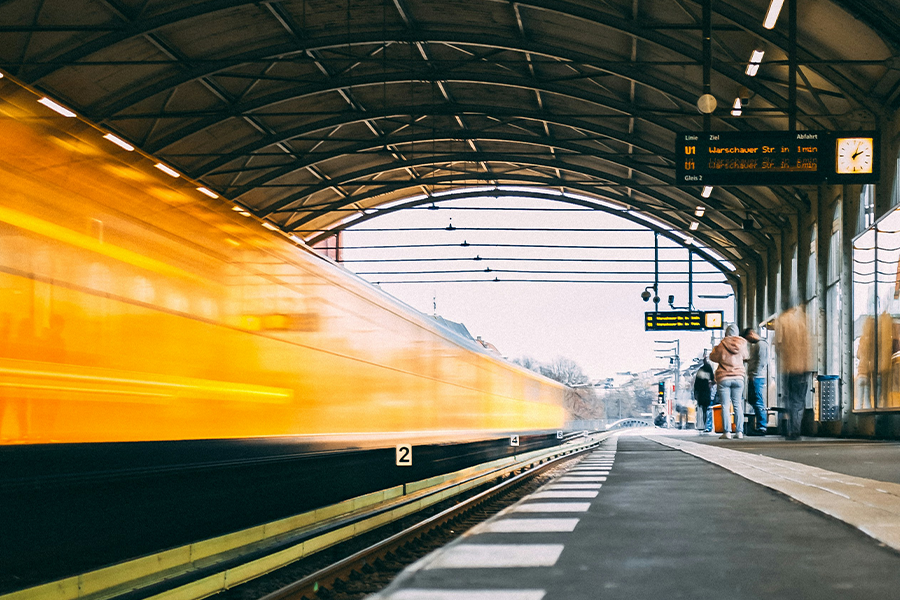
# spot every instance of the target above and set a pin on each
(703, 382)
(756, 378)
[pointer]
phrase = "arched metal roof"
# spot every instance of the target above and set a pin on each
(301, 110)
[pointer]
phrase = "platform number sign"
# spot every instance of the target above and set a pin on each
(559, 435)
(404, 455)
(514, 440)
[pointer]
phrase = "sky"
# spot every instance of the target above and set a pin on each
(598, 325)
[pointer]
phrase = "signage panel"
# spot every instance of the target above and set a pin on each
(682, 320)
(776, 158)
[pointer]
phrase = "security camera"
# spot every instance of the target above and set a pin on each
(671, 299)
(645, 295)
(655, 299)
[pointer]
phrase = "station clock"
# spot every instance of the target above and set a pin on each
(854, 155)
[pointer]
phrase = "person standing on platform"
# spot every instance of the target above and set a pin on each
(703, 382)
(756, 378)
(792, 343)
(730, 354)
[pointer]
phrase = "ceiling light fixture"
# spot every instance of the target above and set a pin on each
(699, 211)
(207, 192)
(707, 190)
(694, 225)
(269, 226)
(56, 107)
(772, 14)
(755, 60)
(118, 142)
(736, 108)
(244, 213)
(167, 170)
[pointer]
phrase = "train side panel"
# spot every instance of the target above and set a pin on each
(132, 309)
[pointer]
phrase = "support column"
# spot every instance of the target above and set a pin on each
(852, 424)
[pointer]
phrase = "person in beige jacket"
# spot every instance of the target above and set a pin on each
(792, 342)
(730, 354)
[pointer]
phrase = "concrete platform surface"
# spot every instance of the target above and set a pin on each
(664, 524)
(872, 459)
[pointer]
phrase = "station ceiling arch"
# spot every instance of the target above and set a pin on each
(303, 110)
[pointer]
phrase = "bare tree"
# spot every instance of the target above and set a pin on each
(529, 363)
(566, 371)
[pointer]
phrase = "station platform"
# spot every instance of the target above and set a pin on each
(659, 515)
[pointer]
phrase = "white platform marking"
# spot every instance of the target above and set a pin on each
(562, 494)
(496, 556)
(412, 594)
(527, 526)
(575, 486)
(581, 479)
(552, 507)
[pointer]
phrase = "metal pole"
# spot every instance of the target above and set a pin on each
(690, 279)
(678, 373)
(707, 57)
(656, 270)
(792, 65)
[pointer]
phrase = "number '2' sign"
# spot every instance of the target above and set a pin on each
(404, 455)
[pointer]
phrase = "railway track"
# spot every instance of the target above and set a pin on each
(346, 548)
(370, 569)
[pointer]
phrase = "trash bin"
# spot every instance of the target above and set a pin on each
(829, 397)
(717, 419)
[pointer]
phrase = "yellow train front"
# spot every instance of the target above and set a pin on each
(159, 347)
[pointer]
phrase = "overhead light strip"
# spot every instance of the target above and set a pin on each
(755, 60)
(207, 192)
(167, 170)
(772, 14)
(59, 108)
(119, 142)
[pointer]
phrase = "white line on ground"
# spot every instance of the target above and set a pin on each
(526, 526)
(574, 486)
(551, 507)
(412, 594)
(561, 494)
(496, 556)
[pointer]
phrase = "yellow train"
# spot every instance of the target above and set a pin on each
(135, 308)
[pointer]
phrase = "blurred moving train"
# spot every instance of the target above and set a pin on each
(135, 308)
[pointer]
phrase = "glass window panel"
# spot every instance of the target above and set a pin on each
(865, 373)
(833, 328)
(888, 307)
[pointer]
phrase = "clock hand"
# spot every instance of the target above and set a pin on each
(857, 153)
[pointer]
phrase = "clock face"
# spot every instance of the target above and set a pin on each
(855, 155)
(713, 320)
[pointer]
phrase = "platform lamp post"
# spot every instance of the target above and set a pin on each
(677, 358)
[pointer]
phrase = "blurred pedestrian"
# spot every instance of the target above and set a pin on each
(756, 379)
(792, 344)
(703, 382)
(730, 355)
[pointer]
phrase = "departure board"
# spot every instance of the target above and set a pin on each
(683, 320)
(776, 158)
